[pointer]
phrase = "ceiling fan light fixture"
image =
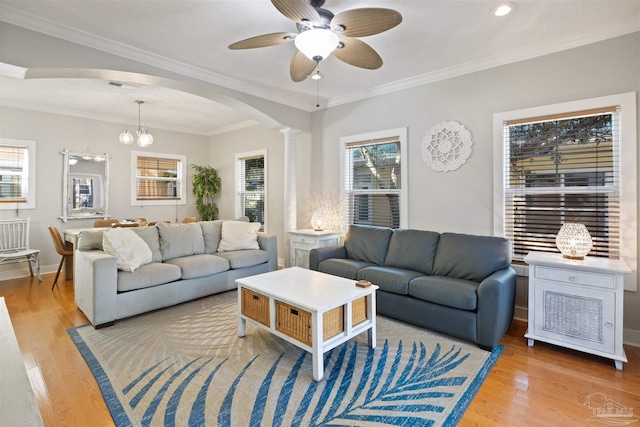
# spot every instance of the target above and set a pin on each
(504, 9)
(317, 44)
(317, 75)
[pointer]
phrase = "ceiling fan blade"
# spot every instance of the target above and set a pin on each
(264, 40)
(301, 67)
(366, 21)
(297, 10)
(359, 54)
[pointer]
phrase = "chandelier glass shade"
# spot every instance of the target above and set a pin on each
(317, 44)
(144, 139)
(574, 241)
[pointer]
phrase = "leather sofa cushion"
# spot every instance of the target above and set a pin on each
(389, 279)
(456, 293)
(148, 275)
(246, 258)
(369, 244)
(412, 250)
(200, 265)
(179, 240)
(343, 267)
(470, 257)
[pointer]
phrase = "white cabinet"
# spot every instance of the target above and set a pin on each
(302, 241)
(577, 304)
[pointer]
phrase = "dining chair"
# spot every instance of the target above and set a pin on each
(99, 223)
(14, 244)
(64, 249)
(189, 219)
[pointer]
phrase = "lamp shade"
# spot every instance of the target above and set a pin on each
(317, 44)
(573, 240)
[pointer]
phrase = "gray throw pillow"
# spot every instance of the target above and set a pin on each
(90, 240)
(152, 239)
(211, 232)
(177, 240)
(369, 244)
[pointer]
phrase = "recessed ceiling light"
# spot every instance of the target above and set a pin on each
(504, 9)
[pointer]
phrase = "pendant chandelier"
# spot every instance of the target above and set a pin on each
(144, 137)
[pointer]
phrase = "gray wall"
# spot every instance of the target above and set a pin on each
(462, 200)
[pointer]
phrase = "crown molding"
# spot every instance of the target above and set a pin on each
(233, 127)
(30, 22)
(102, 118)
(626, 27)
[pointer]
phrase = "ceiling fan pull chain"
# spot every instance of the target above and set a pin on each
(318, 93)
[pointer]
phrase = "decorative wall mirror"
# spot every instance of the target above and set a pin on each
(85, 190)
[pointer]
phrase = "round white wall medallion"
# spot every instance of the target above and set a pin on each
(446, 146)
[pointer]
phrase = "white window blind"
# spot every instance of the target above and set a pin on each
(562, 168)
(373, 183)
(14, 174)
(251, 181)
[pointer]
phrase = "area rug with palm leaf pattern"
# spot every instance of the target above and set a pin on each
(186, 366)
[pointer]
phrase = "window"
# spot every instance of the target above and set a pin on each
(17, 174)
(375, 179)
(565, 163)
(158, 179)
(251, 182)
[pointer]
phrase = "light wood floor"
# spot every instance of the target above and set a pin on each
(542, 385)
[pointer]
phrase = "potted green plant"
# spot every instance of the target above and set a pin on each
(206, 183)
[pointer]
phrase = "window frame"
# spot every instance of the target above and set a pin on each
(30, 173)
(239, 159)
(345, 141)
(627, 164)
(182, 179)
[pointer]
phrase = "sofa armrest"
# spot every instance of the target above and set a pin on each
(496, 301)
(96, 285)
(317, 255)
(269, 243)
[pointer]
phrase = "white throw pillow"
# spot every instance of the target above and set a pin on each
(129, 248)
(239, 235)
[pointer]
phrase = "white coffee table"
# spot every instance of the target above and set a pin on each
(287, 293)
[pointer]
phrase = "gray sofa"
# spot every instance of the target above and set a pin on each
(458, 284)
(185, 265)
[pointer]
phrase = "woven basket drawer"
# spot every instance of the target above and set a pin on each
(359, 311)
(296, 323)
(255, 306)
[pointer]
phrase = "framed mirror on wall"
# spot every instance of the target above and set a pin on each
(85, 185)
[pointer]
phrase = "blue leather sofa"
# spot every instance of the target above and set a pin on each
(458, 284)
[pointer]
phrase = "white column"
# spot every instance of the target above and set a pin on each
(290, 202)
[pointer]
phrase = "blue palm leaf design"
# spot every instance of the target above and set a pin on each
(386, 390)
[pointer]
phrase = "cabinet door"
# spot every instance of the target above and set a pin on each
(578, 315)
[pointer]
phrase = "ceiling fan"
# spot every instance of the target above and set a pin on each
(320, 33)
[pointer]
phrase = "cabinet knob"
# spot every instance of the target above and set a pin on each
(572, 278)
(302, 240)
(609, 324)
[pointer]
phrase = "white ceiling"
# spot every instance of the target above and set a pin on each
(437, 39)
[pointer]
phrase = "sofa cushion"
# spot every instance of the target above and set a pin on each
(152, 239)
(129, 248)
(412, 250)
(470, 257)
(239, 235)
(456, 293)
(211, 232)
(389, 279)
(90, 240)
(178, 240)
(248, 258)
(199, 265)
(343, 267)
(369, 244)
(153, 274)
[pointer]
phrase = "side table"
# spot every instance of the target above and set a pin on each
(577, 304)
(302, 241)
